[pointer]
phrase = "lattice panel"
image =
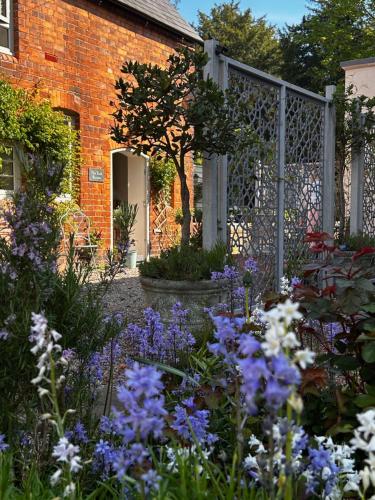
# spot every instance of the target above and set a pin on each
(304, 153)
(252, 173)
(369, 191)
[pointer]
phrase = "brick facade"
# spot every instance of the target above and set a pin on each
(72, 50)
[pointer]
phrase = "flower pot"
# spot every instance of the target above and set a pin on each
(161, 295)
(131, 259)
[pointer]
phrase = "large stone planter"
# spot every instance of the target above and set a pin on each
(161, 295)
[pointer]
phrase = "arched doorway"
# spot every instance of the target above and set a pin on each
(130, 184)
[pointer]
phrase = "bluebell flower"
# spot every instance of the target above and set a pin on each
(151, 481)
(103, 458)
(105, 425)
(251, 265)
(229, 273)
(80, 433)
(192, 424)
(3, 445)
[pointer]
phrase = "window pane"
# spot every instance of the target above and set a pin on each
(6, 168)
(4, 37)
(3, 8)
(7, 183)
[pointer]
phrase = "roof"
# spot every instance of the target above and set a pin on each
(163, 13)
(369, 61)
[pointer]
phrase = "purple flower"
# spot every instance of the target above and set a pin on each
(178, 336)
(151, 481)
(229, 273)
(284, 371)
(4, 334)
(3, 445)
(103, 458)
(276, 394)
(322, 470)
(192, 424)
(80, 433)
(251, 265)
(143, 404)
(105, 425)
(295, 281)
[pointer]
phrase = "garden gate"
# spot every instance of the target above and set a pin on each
(279, 182)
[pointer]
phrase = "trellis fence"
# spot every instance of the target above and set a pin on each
(362, 206)
(279, 182)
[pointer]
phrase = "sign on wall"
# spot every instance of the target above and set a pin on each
(96, 174)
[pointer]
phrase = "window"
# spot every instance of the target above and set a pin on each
(9, 175)
(6, 42)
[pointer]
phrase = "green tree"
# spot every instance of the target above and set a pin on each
(250, 40)
(332, 32)
(171, 113)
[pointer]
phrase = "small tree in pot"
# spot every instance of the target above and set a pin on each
(172, 112)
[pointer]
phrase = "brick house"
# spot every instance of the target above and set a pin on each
(72, 50)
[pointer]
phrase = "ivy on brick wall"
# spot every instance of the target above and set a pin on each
(31, 124)
(163, 173)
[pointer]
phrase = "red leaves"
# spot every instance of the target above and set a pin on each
(313, 380)
(317, 236)
(363, 251)
(329, 291)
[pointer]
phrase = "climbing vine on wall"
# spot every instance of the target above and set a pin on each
(32, 125)
(163, 173)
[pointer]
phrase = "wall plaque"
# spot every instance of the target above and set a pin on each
(96, 174)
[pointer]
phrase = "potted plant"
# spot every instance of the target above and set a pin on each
(124, 217)
(181, 274)
(171, 113)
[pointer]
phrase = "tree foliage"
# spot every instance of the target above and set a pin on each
(171, 113)
(249, 39)
(334, 31)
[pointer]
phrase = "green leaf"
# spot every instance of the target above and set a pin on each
(340, 429)
(370, 389)
(364, 401)
(368, 352)
(369, 308)
(166, 368)
(346, 363)
(369, 325)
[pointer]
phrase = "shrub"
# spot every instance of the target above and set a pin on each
(186, 263)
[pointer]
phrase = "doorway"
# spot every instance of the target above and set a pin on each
(130, 184)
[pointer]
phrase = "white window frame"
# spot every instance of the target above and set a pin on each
(5, 194)
(7, 23)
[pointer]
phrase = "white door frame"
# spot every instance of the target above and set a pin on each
(129, 152)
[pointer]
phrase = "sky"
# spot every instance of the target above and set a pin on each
(277, 12)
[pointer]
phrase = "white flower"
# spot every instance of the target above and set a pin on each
(290, 341)
(285, 288)
(368, 477)
(352, 483)
(367, 421)
(272, 345)
(66, 452)
(55, 478)
(289, 311)
(296, 402)
(304, 358)
(250, 462)
(69, 490)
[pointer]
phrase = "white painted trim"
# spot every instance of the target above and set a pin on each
(6, 194)
(129, 152)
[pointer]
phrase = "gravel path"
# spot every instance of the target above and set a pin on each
(126, 295)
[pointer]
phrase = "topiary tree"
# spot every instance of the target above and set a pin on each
(171, 113)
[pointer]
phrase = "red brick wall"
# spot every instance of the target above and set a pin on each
(72, 50)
